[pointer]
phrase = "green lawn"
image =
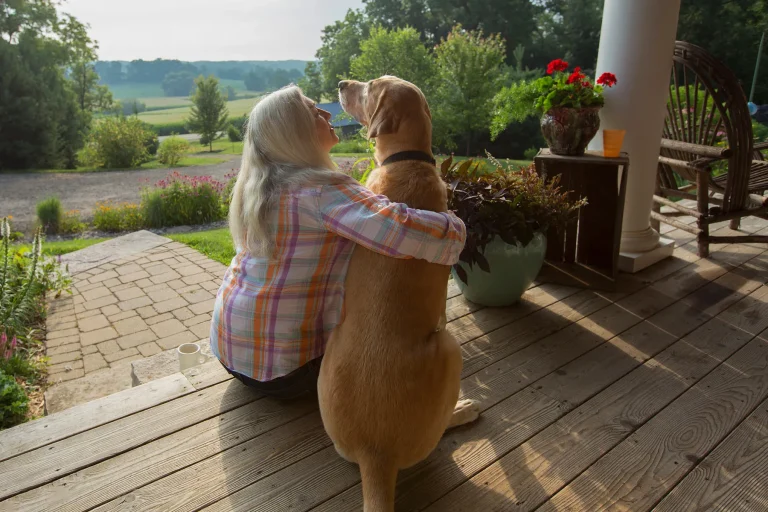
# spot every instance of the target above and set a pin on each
(188, 161)
(64, 246)
(216, 243)
(221, 146)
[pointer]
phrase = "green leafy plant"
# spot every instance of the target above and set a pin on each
(226, 195)
(530, 153)
(233, 134)
(172, 150)
(71, 224)
(559, 89)
(506, 202)
(117, 217)
(116, 143)
(182, 200)
(49, 213)
(13, 402)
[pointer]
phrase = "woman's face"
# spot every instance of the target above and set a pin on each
(325, 133)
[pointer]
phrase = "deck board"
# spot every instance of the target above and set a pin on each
(732, 477)
(654, 395)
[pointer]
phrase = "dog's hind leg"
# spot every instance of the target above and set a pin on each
(466, 411)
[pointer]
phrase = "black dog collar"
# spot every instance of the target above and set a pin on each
(410, 155)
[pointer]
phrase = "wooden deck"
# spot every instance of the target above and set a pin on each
(654, 397)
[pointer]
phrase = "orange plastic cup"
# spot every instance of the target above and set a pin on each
(612, 141)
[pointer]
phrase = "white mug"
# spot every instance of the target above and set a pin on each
(189, 356)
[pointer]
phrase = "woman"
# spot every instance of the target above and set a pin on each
(295, 221)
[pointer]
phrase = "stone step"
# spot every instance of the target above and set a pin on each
(163, 364)
(91, 387)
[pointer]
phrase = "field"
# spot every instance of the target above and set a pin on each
(144, 92)
(237, 108)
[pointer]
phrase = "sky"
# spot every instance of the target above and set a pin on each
(208, 29)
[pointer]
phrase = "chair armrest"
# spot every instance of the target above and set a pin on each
(699, 165)
(760, 146)
(696, 149)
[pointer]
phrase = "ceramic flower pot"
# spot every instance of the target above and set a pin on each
(568, 131)
(513, 269)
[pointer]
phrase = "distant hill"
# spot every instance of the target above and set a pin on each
(140, 79)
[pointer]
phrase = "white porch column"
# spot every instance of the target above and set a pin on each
(636, 45)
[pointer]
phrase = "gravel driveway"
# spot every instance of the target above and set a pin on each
(20, 192)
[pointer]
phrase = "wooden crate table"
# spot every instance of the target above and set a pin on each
(586, 253)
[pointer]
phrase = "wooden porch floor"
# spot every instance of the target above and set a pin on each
(654, 397)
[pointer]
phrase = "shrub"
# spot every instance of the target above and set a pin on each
(112, 217)
(116, 143)
(226, 195)
(513, 204)
(172, 150)
(234, 134)
(13, 402)
(49, 213)
(71, 223)
(181, 200)
(161, 129)
(354, 145)
(152, 143)
(531, 153)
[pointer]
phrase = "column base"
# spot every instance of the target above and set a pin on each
(632, 262)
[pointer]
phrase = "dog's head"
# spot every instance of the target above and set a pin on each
(384, 104)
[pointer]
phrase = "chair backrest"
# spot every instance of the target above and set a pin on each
(707, 106)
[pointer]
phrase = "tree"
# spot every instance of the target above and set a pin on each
(257, 79)
(470, 71)
(231, 93)
(312, 82)
(41, 123)
(514, 20)
(397, 52)
(91, 97)
(341, 43)
(573, 27)
(208, 115)
(731, 32)
(178, 83)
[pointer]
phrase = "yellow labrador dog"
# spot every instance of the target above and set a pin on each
(389, 380)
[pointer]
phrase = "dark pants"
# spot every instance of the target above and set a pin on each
(297, 384)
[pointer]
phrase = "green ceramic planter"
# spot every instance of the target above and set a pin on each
(513, 269)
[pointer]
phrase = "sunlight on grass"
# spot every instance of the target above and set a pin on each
(216, 243)
(64, 246)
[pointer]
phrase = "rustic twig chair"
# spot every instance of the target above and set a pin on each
(707, 151)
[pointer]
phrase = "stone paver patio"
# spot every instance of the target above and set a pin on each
(132, 298)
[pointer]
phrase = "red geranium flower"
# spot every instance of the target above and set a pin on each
(576, 76)
(607, 79)
(556, 65)
(586, 84)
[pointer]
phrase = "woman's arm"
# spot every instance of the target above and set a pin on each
(391, 229)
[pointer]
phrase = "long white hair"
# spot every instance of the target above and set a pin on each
(281, 151)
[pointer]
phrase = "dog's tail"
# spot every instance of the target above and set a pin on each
(379, 480)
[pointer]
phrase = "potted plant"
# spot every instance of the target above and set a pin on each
(568, 102)
(507, 213)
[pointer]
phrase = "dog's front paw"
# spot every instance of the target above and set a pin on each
(466, 411)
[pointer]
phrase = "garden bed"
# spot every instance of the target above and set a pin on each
(26, 277)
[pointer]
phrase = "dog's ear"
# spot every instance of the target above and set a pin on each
(384, 120)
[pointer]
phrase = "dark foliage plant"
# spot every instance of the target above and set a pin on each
(503, 201)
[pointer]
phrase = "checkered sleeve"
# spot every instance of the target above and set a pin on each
(354, 212)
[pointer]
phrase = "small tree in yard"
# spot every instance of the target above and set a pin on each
(208, 115)
(470, 71)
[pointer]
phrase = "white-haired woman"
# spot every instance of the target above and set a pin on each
(295, 221)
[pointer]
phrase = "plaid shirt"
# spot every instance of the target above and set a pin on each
(273, 315)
